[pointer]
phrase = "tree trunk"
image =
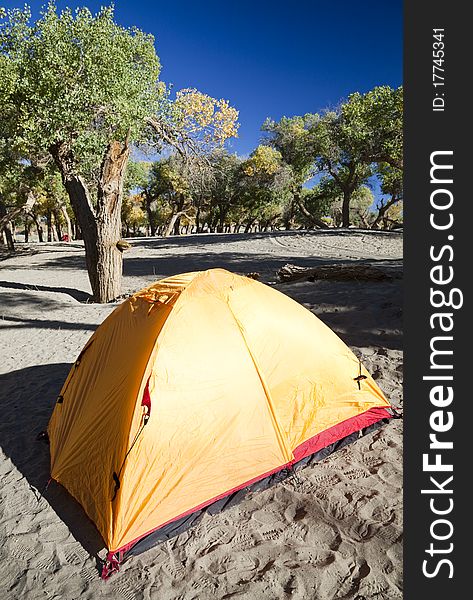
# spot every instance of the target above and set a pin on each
(222, 217)
(382, 210)
(9, 235)
(7, 216)
(346, 208)
(67, 219)
(6, 226)
(172, 223)
(289, 219)
(27, 229)
(177, 225)
(77, 230)
(57, 225)
(249, 225)
(50, 226)
(101, 228)
(39, 228)
(340, 272)
(151, 216)
(315, 221)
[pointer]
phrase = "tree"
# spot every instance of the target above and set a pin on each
(392, 185)
(265, 184)
(223, 188)
(82, 89)
(170, 185)
(317, 204)
(374, 122)
(137, 184)
(360, 208)
(338, 155)
(133, 216)
(20, 185)
(344, 145)
(292, 138)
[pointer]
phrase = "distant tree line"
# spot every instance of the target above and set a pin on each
(81, 95)
(338, 151)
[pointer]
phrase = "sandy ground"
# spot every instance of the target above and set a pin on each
(336, 532)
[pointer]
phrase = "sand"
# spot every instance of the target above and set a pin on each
(334, 532)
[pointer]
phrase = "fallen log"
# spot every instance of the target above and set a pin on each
(339, 272)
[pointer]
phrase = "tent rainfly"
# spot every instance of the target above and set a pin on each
(192, 389)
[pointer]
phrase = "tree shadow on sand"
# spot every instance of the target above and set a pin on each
(362, 313)
(27, 398)
(78, 295)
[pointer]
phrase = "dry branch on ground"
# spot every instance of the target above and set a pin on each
(339, 272)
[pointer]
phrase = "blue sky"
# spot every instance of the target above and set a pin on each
(268, 58)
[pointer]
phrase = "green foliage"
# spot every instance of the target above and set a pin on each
(132, 213)
(137, 176)
(76, 78)
(361, 214)
(391, 180)
(373, 122)
(318, 201)
(345, 146)
(292, 138)
(168, 180)
(81, 80)
(265, 182)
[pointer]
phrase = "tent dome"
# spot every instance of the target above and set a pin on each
(195, 387)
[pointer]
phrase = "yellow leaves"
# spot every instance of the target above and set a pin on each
(213, 120)
(264, 160)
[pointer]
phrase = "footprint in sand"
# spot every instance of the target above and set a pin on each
(373, 587)
(295, 532)
(271, 534)
(372, 462)
(294, 513)
(325, 479)
(265, 517)
(22, 548)
(49, 564)
(217, 537)
(243, 541)
(354, 474)
(390, 475)
(76, 557)
(175, 571)
(390, 534)
(88, 574)
(203, 584)
(315, 556)
(314, 484)
(324, 535)
(360, 531)
(22, 503)
(127, 590)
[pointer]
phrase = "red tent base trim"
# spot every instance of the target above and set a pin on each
(321, 441)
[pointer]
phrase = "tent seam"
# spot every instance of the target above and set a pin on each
(137, 400)
(279, 434)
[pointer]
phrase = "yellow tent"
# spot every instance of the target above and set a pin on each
(196, 387)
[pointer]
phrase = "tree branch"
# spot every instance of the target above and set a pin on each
(25, 208)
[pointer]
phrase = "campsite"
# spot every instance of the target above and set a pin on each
(200, 307)
(336, 525)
